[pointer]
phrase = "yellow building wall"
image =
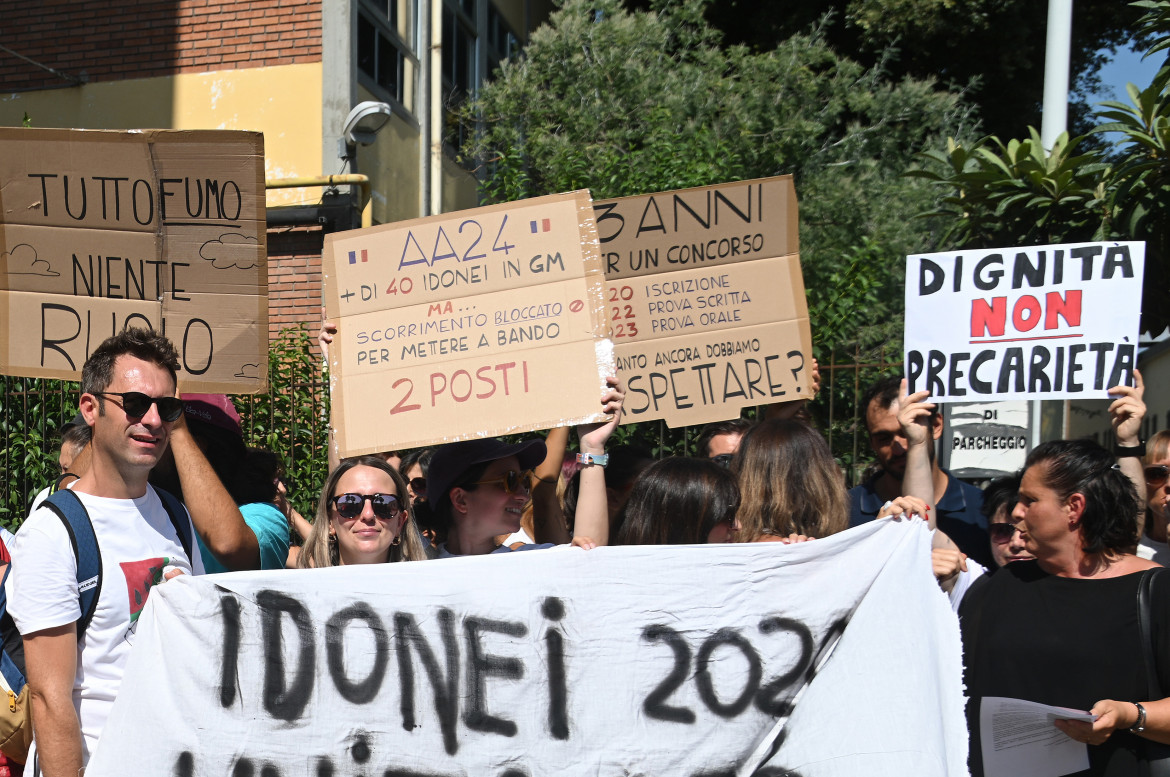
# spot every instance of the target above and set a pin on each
(283, 102)
(460, 189)
(392, 163)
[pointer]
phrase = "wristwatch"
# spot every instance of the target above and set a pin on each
(1140, 726)
(600, 459)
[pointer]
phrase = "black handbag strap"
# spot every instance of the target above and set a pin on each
(1146, 632)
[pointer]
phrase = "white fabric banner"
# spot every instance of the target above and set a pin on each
(834, 657)
(1033, 322)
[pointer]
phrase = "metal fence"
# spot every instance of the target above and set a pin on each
(290, 419)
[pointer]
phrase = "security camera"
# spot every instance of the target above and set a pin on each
(364, 121)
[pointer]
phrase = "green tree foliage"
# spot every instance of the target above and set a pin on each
(627, 102)
(995, 48)
(1017, 193)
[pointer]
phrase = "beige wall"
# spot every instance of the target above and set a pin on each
(283, 102)
(460, 190)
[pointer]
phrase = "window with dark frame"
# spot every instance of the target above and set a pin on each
(385, 55)
(460, 57)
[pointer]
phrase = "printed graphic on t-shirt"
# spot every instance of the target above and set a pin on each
(140, 577)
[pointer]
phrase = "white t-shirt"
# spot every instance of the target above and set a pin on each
(138, 546)
(1158, 552)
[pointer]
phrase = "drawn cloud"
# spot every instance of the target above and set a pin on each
(231, 250)
(22, 260)
(249, 371)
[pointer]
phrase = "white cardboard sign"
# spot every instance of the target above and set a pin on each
(1034, 322)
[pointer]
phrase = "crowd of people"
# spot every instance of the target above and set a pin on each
(1049, 569)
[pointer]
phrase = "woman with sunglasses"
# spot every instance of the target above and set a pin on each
(1153, 544)
(1064, 629)
(478, 489)
(363, 517)
(1007, 536)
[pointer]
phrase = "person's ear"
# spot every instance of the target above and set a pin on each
(1075, 505)
(459, 500)
(88, 405)
(936, 426)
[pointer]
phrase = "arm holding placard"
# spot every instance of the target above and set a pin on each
(914, 417)
(1126, 414)
(591, 521)
(548, 517)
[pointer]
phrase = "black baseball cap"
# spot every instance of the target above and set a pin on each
(452, 460)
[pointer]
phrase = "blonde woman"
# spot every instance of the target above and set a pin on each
(363, 517)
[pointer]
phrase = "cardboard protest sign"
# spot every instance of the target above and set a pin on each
(616, 661)
(704, 290)
(480, 322)
(1034, 322)
(100, 230)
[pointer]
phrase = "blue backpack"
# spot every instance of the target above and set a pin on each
(15, 722)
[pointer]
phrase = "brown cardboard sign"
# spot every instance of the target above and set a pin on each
(100, 230)
(475, 323)
(705, 293)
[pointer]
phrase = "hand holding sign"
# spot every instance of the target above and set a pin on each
(325, 334)
(594, 436)
(1127, 411)
(915, 415)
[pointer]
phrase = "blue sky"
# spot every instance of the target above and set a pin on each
(1127, 65)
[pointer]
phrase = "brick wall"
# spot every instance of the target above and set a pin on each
(142, 38)
(294, 279)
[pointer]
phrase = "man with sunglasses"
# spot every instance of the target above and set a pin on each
(957, 505)
(128, 399)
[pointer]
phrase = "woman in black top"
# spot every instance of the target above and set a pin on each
(1063, 629)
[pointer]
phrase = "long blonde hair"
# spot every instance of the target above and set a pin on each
(321, 551)
(788, 483)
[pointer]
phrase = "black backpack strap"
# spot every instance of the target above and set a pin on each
(85, 549)
(62, 481)
(179, 519)
(1146, 632)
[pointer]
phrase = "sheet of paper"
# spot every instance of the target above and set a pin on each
(1020, 737)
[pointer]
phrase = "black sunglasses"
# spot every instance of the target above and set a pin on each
(1157, 475)
(1003, 532)
(136, 404)
(512, 481)
(418, 485)
(350, 506)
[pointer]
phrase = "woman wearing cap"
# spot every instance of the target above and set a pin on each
(363, 517)
(478, 488)
(1063, 629)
